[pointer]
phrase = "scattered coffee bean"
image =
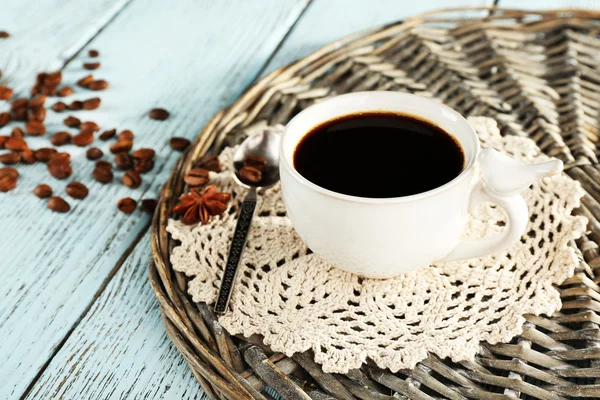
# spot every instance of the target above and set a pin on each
(144, 154)
(103, 165)
(94, 153)
(250, 175)
(179, 143)
(83, 138)
(149, 205)
(27, 156)
(108, 134)
(4, 35)
(60, 138)
(91, 66)
(59, 165)
(58, 204)
(196, 177)
(65, 91)
(120, 146)
(8, 171)
(37, 101)
(52, 79)
(258, 162)
(143, 166)
(42, 191)
(10, 158)
(35, 128)
(4, 118)
(93, 53)
(77, 190)
(17, 133)
(20, 114)
(44, 154)
(127, 205)
(132, 179)
(36, 114)
(15, 144)
(59, 106)
(89, 125)
(76, 105)
(85, 81)
(98, 85)
(19, 103)
(102, 175)
(7, 183)
(209, 162)
(91, 104)
(5, 92)
(72, 122)
(123, 161)
(159, 113)
(126, 135)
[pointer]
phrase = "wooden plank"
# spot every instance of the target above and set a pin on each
(548, 4)
(120, 349)
(183, 57)
(326, 21)
(45, 35)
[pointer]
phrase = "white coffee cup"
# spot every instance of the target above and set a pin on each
(385, 237)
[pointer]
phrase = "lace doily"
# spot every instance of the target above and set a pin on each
(297, 302)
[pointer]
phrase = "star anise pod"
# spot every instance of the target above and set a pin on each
(200, 206)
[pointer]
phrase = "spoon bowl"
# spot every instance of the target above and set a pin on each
(265, 145)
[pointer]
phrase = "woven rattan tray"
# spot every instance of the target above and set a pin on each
(538, 75)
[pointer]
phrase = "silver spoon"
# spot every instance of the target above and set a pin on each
(266, 145)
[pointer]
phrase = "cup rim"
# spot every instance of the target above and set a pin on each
(470, 160)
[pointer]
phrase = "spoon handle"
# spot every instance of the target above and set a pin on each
(235, 251)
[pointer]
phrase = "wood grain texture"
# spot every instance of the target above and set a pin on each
(548, 4)
(176, 57)
(326, 21)
(45, 34)
(120, 349)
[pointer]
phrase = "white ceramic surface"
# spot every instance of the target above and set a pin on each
(382, 238)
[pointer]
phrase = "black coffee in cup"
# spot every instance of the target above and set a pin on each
(378, 155)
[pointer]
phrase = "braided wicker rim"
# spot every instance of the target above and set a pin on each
(537, 73)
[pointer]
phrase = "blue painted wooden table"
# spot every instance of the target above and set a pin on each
(78, 319)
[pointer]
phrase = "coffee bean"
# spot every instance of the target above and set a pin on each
(179, 143)
(123, 161)
(19, 103)
(48, 90)
(7, 183)
(60, 138)
(27, 156)
(149, 205)
(126, 135)
(10, 158)
(159, 113)
(91, 104)
(8, 171)
(52, 79)
(36, 114)
(258, 162)
(44, 154)
(91, 66)
(143, 166)
(132, 179)
(93, 53)
(58, 204)
(20, 114)
(127, 205)
(4, 35)
(4, 118)
(76, 105)
(42, 191)
(72, 122)
(35, 128)
(59, 165)
(94, 153)
(107, 134)
(102, 175)
(250, 175)
(209, 162)
(58, 107)
(89, 125)
(85, 81)
(3, 140)
(83, 138)
(98, 85)
(103, 165)
(77, 190)
(15, 144)
(37, 101)
(17, 133)
(196, 177)
(5, 92)
(120, 146)
(65, 91)
(144, 154)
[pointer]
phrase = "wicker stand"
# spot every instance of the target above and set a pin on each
(538, 75)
